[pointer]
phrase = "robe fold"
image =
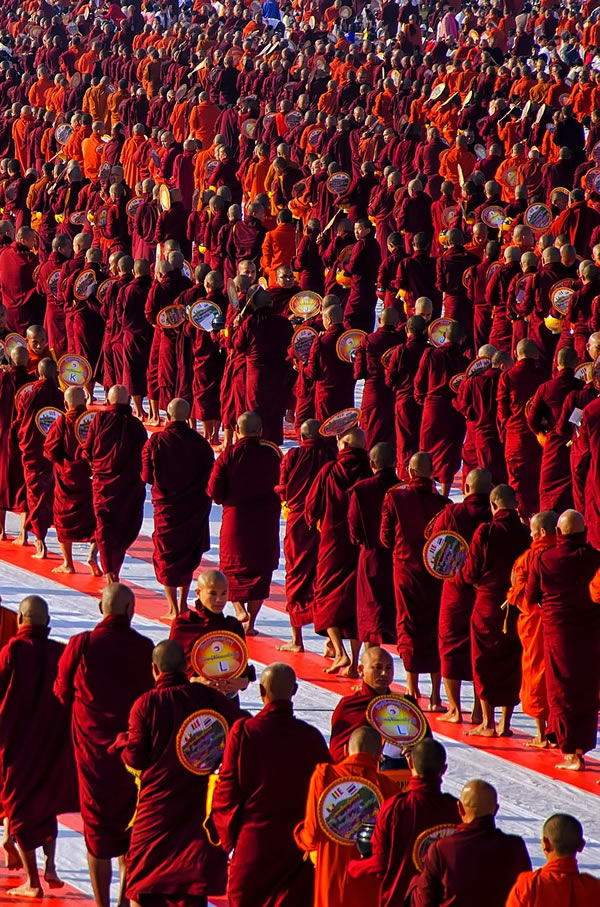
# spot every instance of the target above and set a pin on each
(73, 507)
(442, 426)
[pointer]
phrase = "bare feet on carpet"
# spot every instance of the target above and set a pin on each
(51, 877)
(504, 731)
(24, 891)
(452, 716)
(12, 860)
(436, 706)
(572, 763)
(20, 540)
(340, 662)
(64, 568)
(94, 567)
(536, 743)
(290, 647)
(41, 552)
(350, 671)
(482, 731)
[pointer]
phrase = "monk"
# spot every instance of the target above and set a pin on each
(37, 469)
(559, 881)
(458, 599)
(177, 464)
(495, 646)
(442, 426)
(334, 608)
(400, 372)
(13, 494)
(18, 289)
(454, 864)
(73, 508)
(170, 858)
(375, 601)
(243, 481)
(334, 886)
(37, 346)
(37, 783)
(401, 820)
(377, 406)
(207, 616)
(256, 806)
(332, 377)
(137, 334)
(113, 449)
(299, 467)
(407, 511)
(534, 698)
(101, 699)
(559, 582)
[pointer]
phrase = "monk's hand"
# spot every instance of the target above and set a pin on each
(197, 678)
(232, 685)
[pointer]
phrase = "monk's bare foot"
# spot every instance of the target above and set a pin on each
(536, 743)
(52, 879)
(351, 671)
(2, 535)
(452, 716)
(250, 630)
(63, 568)
(504, 731)
(41, 552)
(329, 651)
(482, 731)
(435, 706)
(170, 615)
(21, 539)
(338, 663)
(572, 763)
(25, 891)
(12, 860)
(153, 420)
(110, 578)
(140, 415)
(94, 567)
(476, 716)
(290, 647)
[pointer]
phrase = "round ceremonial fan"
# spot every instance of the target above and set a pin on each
(560, 295)
(164, 197)
(439, 92)
(232, 294)
(78, 218)
(46, 417)
(11, 342)
(583, 372)
(302, 341)
(105, 287)
(397, 719)
(313, 135)
(338, 183)
(74, 371)
(538, 216)
(53, 281)
(305, 304)
(293, 118)
(456, 381)
(202, 313)
(248, 128)
(444, 553)
(339, 423)
(386, 357)
(172, 316)
(347, 344)
(85, 284)
(82, 426)
(24, 390)
(274, 447)
(210, 167)
(427, 838)
(201, 741)
(220, 655)
(493, 216)
(100, 217)
(63, 133)
(437, 330)
(478, 365)
(492, 270)
(133, 205)
(345, 805)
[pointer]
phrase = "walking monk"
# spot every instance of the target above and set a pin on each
(335, 585)
(334, 887)
(170, 858)
(534, 698)
(559, 882)
(243, 480)
(101, 673)
(177, 463)
(38, 782)
(114, 450)
(407, 510)
(73, 507)
(299, 467)
(559, 582)
(13, 494)
(261, 796)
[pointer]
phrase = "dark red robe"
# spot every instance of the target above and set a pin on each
(114, 451)
(73, 508)
(196, 622)
(101, 699)
(377, 405)
(478, 404)
(177, 463)
(38, 782)
(442, 426)
(259, 799)
(13, 494)
(137, 335)
(18, 290)
(400, 375)
(332, 377)
(299, 468)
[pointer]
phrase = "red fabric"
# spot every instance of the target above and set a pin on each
(400, 375)
(259, 799)
(442, 426)
(332, 377)
(377, 406)
(13, 495)
(197, 622)
(177, 463)
(73, 508)
(101, 700)
(137, 335)
(477, 401)
(18, 288)
(349, 714)
(38, 783)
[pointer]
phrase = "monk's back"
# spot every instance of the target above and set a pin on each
(557, 884)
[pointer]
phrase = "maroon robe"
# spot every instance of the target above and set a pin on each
(196, 622)
(137, 335)
(348, 715)
(18, 290)
(495, 644)
(299, 468)
(458, 599)
(144, 231)
(259, 799)
(13, 494)
(417, 276)
(101, 700)
(377, 406)
(362, 267)
(73, 508)
(400, 374)
(442, 426)
(572, 436)
(559, 581)
(407, 510)
(478, 403)
(375, 601)
(37, 469)
(114, 449)
(451, 266)
(54, 318)
(243, 481)
(38, 782)
(177, 463)
(170, 855)
(332, 377)
(327, 507)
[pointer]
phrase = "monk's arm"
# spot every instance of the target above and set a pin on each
(387, 532)
(313, 508)
(421, 383)
(307, 833)
(427, 889)
(54, 449)
(472, 570)
(217, 484)
(580, 467)
(228, 798)
(533, 588)
(148, 462)
(355, 521)
(136, 751)
(64, 685)
(380, 845)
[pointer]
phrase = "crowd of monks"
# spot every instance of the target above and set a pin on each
(406, 198)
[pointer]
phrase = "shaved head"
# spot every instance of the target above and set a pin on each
(117, 598)
(567, 357)
(211, 578)
(20, 355)
(249, 425)
(278, 681)
(168, 657)
(74, 397)
(503, 497)
(526, 349)
(355, 437)
(364, 739)
(563, 834)
(33, 610)
(382, 456)
(178, 410)
(421, 464)
(428, 758)
(571, 522)
(376, 669)
(118, 394)
(478, 798)
(488, 349)
(479, 481)
(543, 523)
(47, 368)
(310, 429)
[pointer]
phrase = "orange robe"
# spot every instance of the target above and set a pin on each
(19, 131)
(95, 102)
(91, 149)
(114, 102)
(203, 119)
(534, 700)
(333, 885)
(39, 90)
(131, 172)
(557, 884)
(72, 147)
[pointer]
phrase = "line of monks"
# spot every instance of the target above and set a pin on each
(113, 749)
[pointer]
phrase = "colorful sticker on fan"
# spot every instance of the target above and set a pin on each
(74, 371)
(583, 372)
(560, 295)
(101, 217)
(314, 134)
(444, 554)
(172, 316)
(82, 426)
(521, 288)
(249, 128)
(202, 314)
(347, 344)
(164, 197)
(538, 216)
(302, 341)
(85, 285)
(397, 719)
(63, 133)
(24, 390)
(437, 330)
(456, 381)
(492, 270)
(201, 741)
(293, 119)
(427, 838)
(345, 805)
(478, 365)
(340, 422)
(11, 342)
(46, 417)
(133, 205)
(53, 281)
(493, 216)
(338, 183)
(105, 287)
(305, 304)
(509, 177)
(220, 655)
(449, 214)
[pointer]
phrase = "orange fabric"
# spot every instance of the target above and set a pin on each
(19, 131)
(95, 102)
(203, 119)
(534, 700)
(279, 248)
(178, 121)
(39, 90)
(557, 884)
(114, 102)
(382, 108)
(450, 160)
(254, 179)
(130, 147)
(55, 99)
(72, 147)
(333, 887)
(87, 62)
(329, 102)
(91, 149)
(581, 99)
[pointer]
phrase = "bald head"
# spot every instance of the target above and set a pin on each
(390, 317)
(118, 394)
(571, 522)
(488, 349)
(543, 523)
(427, 759)
(364, 739)
(117, 598)
(211, 578)
(382, 456)
(20, 355)
(526, 349)
(47, 368)
(503, 498)
(562, 836)
(310, 429)
(477, 799)
(168, 657)
(376, 669)
(278, 681)
(478, 481)
(355, 437)
(178, 410)
(33, 611)
(566, 358)
(420, 465)
(74, 397)
(249, 425)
